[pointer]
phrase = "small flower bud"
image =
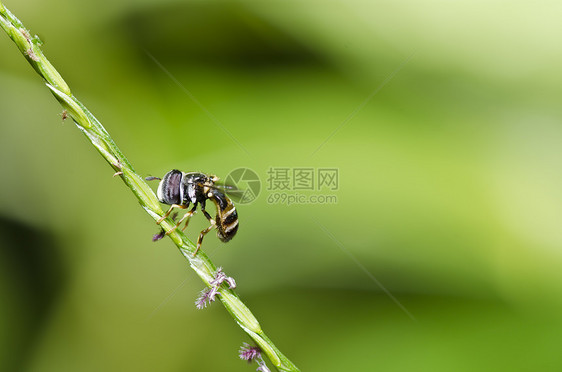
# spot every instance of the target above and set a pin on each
(253, 353)
(209, 295)
(221, 277)
(249, 353)
(159, 236)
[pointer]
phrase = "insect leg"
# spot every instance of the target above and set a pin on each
(187, 216)
(202, 235)
(206, 214)
(170, 211)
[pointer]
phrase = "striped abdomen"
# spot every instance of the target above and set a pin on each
(227, 217)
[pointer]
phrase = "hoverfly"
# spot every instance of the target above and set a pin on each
(180, 189)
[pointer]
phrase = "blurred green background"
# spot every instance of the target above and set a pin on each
(443, 119)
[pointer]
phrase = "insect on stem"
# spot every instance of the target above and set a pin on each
(180, 189)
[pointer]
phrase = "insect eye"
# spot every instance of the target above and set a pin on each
(169, 188)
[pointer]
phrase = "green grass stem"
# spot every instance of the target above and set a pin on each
(30, 47)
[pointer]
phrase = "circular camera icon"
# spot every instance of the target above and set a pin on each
(247, 184)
